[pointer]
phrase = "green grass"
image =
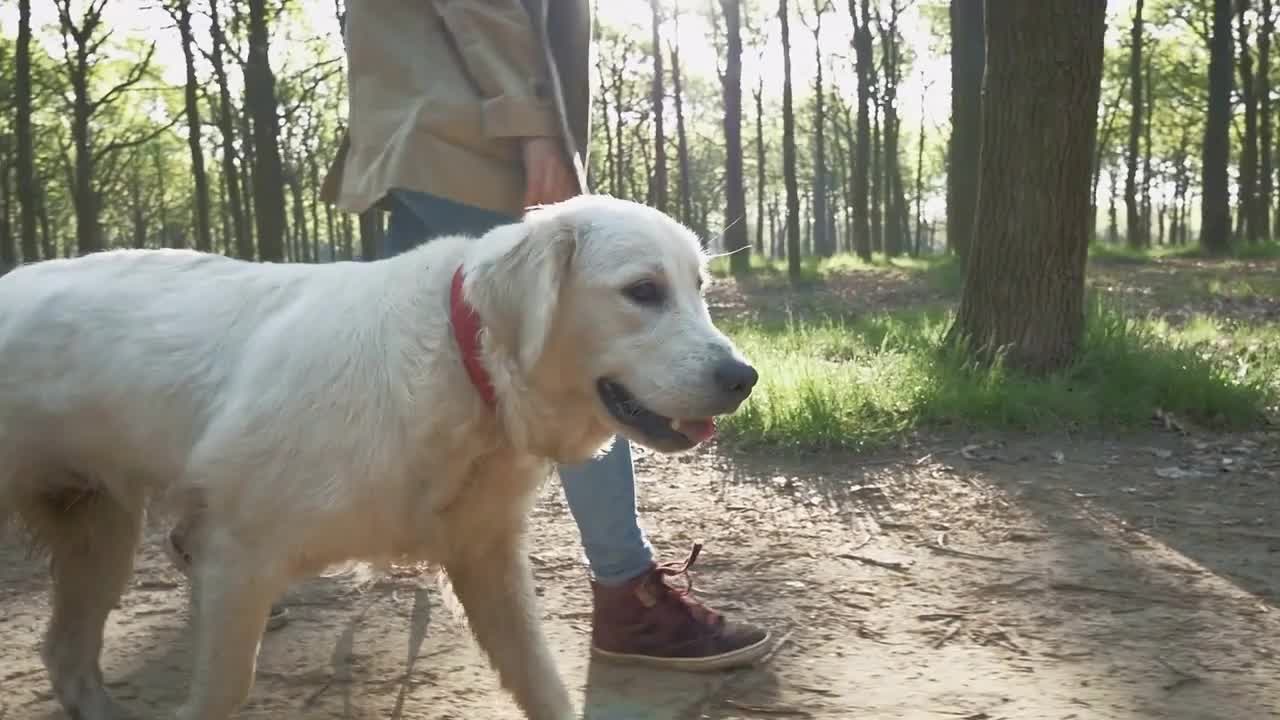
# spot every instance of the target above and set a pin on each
(856, 384)
(1123, 254)
(943, 271)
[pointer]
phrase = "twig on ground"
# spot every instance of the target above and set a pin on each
(1184, 678)
(886, 564)
(774, 710)
(928, 617)
(955, 628)
(944, 550)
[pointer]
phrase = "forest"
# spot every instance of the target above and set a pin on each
(1008, 269)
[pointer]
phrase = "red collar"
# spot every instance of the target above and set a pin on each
(466, 332)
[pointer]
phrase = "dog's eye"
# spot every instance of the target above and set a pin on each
(645, 292)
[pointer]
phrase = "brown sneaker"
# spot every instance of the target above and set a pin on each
(647, 621)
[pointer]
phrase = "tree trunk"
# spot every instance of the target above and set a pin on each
(919, 239)
(1146, 152)
(658, 94)
(204, 230)
(268, 175)
(1248, 188)
(1023, 298)
(1215, 205)
(226, 129)
(821, 241)
(862, 150)
(735, 207)
(762, 165)
(682, 140)
(1133, 222)
(8, 248)
(1264, 122)
(877, 184)
(967, 51)
(26, 175)
(1109, 115)
(789, 151)
(895, 203)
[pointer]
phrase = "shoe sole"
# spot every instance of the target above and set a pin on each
(737, 658)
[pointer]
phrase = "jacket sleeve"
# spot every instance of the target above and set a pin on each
(499, 47)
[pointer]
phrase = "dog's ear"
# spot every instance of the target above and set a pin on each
(513, 281)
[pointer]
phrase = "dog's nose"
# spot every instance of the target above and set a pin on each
(736, 378)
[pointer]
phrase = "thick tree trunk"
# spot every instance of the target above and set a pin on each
(226, 129)
(967, 51)
(658, 181)
(1133, 221)
(1023, 296)
(268, 175)
(789, 151)
(1215, 205)
(204, 230)
(1265, 128)
(862, 150)
(735, 208)
(26, 175)
(1248, 188)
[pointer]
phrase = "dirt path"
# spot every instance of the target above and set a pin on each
(1020, 578)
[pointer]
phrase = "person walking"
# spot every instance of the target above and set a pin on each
(461, 114)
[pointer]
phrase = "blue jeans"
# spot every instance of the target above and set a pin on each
(601, 493)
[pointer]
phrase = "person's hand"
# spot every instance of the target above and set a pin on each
(548, 177)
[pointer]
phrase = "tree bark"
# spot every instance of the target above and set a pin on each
(968, 46)
(1148, 112)
(895, 200)
(822, 246)
(862, 151)
(26, 176)
(204, 231)
(762, 165)
(226, 130)
(658, 94)
(1265, 148)
(877, 179)
(268, 174)
(1215, 206)
(789, 151)
(735, 208)
(682, 141)
(1133, 221)
(1248, 187)
(1023, 298)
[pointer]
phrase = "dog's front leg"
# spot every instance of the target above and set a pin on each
(496, 590)
(232, 596)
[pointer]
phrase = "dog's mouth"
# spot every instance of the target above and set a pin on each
(656, 430)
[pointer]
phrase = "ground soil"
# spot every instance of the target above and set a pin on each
(962, 576)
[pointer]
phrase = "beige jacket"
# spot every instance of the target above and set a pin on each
(442, 91)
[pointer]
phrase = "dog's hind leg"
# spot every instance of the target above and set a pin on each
(496, 591)
(92, 537)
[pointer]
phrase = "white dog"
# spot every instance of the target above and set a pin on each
(299, 416)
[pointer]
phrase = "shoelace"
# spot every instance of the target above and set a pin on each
(683, 595)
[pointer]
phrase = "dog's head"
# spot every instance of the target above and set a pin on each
(597, 304)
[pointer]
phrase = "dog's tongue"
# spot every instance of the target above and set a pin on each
(698, 429)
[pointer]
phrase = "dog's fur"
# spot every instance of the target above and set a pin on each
(299, 416)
